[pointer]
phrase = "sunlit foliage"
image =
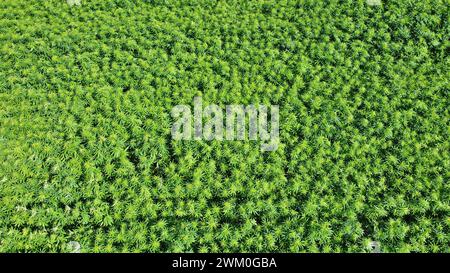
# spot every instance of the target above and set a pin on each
(86, 154)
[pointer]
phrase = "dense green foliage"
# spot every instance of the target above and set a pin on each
(86, 153)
